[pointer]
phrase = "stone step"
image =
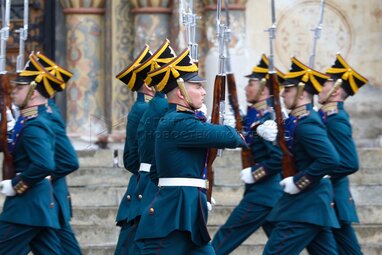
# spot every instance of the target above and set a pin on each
(94, 225)
(91, 176)
(97, 195)
(362, 194)
(368, 214)
(367, 235)
(97, 215)
(98, 158)
(96, 234)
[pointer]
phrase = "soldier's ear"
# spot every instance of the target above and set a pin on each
(179, 94)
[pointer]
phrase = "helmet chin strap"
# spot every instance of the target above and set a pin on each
(336, 86)
(184, 93)
(300, 90)
(32, 87)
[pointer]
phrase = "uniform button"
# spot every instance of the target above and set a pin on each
(139, 196)
(151, 210)
(128, 197)
(17, 135)
(332, 204)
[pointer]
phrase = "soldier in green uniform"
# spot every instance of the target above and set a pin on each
(130, 153)
(143, 147)
(66, 162)
(29, 219)
(305, 212)
(262, 189)
(175, 222)
(344, 82)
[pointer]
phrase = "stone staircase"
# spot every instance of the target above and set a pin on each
(97, 189)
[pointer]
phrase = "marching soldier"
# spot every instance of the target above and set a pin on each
(158, 106)
(144, 147)
(124, 219)
(305, 212)
(344, 82)
(29, 219)
(176, 221)
(66, 162)
(262, 189)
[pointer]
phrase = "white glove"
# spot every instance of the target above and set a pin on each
(10, 120)
(7, 189)
(246, 175)
(211, 205)
(289, 186)
(268, 130)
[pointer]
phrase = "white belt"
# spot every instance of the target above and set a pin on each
(189, 182)
(144, 167)
(46, 177)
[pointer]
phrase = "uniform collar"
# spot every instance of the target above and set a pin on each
(263, 106)
(32, 111)
(301, 111)
(142, 97)
(180, 108)
(331, 106)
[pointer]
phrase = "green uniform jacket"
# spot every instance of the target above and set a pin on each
(128, 207)
(315, 157)
(158, 106)
(66, 162)
(181, 145)
(33, 158)
(340, 134)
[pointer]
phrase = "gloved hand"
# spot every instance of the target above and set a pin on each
(10, 120)
(246, 175)
(211, 205)
(7, 189)
(268, 130)
(289, 186)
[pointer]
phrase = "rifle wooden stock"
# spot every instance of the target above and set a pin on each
(5, 98)
(246, 154)
(287, 159)
(215, 119)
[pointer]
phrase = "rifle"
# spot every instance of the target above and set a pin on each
(317, 34)
(287, 157)
(246, 155)
(189, 21)
(23, 37)
(218, 100)
(5, 94)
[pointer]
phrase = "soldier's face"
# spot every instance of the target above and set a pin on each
(322, 96)
(19, 93)
(197, 93)
(289, 94)
(252, 89)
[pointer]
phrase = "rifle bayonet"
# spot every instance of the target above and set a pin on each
(4, 33)
(227, 37)
(317, 35)
(23, 37)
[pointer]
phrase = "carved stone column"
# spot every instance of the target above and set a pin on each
(237, 47)
(151, 22)
(85, 53)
